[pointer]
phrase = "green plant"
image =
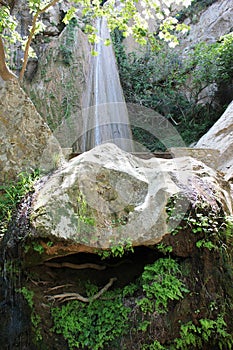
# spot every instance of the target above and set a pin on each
(164, 248)
(154, 346)
(172, 86)
(66, 49)
(94, 325)
(211, 332)
(161, 285)
(117, 250)
(37, 247)
(203, 220)
(28, 295)
(130, 289)
(83, 212)
(35, 318)
(11, 194)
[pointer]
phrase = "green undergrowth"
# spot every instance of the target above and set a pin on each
(161, 284)
(194, 337)
(11, 194)
(104, 321)
(91, 325)
(212, 332)
(173, 86)
(35, 317)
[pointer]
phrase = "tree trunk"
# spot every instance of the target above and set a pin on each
(5, 73)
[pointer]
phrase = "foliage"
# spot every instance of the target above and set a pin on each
(9, 22)
(208, 331)
(194, 9)
(161, 284)
(28, 295)
(35, 318)
(117, 250)
(211, 63)
(66, 48)
(162, 81)
(154, 346)
(207, 222)
(37, 247)
(11, 194)
(92, 325)
(83, 211)
(126, 17)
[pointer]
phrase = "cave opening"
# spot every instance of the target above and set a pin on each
(76, 269)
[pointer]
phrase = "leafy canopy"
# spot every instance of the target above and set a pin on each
(129, 16)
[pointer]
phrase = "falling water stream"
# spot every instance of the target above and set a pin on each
(105, 115)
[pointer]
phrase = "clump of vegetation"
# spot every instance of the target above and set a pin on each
(212, 332)
(93, 325)
(35, 318)
(161, 285)
(213, 228)
(194, 9)
(67, 48)
(11, 194)
(172, 86)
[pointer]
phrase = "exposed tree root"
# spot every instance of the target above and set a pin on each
(76, 266)
(75, 296)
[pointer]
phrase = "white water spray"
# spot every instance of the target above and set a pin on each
(105, 115)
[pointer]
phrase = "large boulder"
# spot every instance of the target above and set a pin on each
(107, 197)
(220, 137)
(26, 140)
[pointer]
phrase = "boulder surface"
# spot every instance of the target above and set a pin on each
(26, 140)
(107, 197)
(220, 137)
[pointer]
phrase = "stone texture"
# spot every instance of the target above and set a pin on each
(57, 87)
(26, 140)
(215, 21)
(220, 137)
(107, 197)
(208, 156)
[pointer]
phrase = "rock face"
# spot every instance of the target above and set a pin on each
(220, 137)
(107, 197)
(215, 21)
(61, 77)
(26, 140)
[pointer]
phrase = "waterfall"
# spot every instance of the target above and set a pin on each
(105, 115)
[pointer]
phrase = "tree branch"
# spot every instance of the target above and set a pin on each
(31, 35)
(5, 73)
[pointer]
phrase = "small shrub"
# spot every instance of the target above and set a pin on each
(161, 285)
(11, 194)
(92, 325)
(212, 332)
